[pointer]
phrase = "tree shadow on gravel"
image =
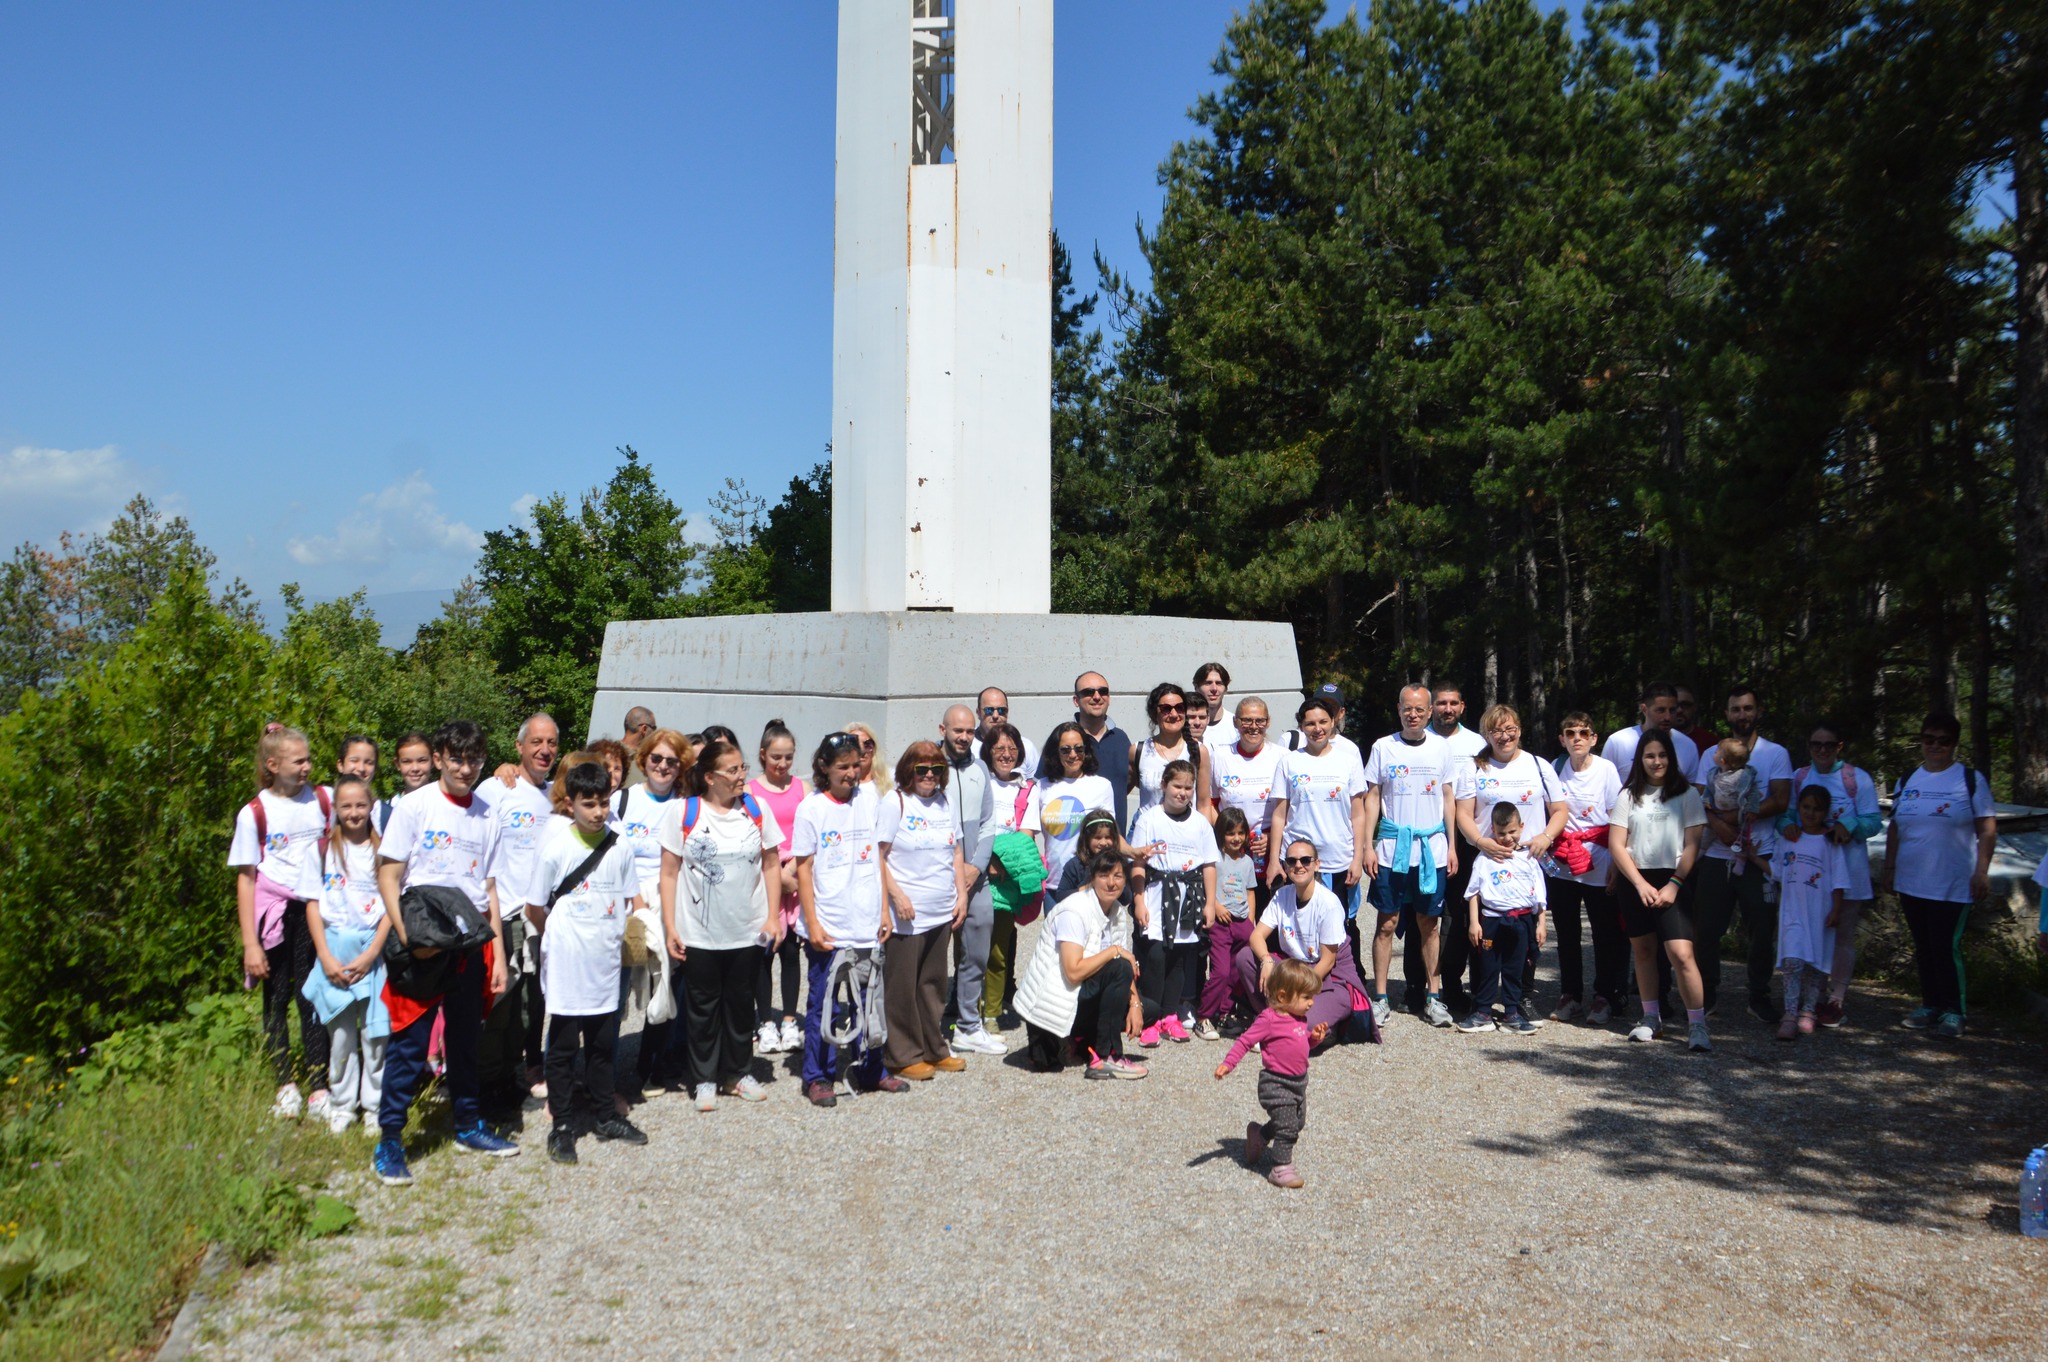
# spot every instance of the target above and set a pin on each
(1875, 1122)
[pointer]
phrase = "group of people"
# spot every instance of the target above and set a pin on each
(1208, 879)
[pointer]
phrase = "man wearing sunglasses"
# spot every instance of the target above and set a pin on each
(1112, 744)
(992, 711)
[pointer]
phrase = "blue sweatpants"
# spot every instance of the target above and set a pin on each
(405, 1058)
(821, 1060)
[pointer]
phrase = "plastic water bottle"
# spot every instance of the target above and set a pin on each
(2034, 1195)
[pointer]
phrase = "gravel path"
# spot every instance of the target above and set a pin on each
(1546, 1196)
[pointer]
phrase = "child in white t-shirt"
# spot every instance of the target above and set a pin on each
(1179, 906)
(276, 853)
(582, 932)
(1505, 908)
(1813, 872)
(346, 987)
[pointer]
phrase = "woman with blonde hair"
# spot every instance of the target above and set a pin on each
(874, 763)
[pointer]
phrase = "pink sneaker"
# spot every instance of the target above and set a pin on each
(1116, 1067)
(1149, 1037)
(1788, 1029)
(1285, 1176)
(1806, 1023)
(1172, 1027)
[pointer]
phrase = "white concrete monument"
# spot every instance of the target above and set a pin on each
(941, 428)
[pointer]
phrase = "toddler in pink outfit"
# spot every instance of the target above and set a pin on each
(1284, 1038)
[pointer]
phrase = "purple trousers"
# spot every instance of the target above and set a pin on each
(1332, 1007)
(1224, 986)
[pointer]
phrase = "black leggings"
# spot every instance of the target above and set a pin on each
(1162, 976)
(792, 980)
(1568, 898)
(1937, 929)
(291, 960)
(1098, 1018)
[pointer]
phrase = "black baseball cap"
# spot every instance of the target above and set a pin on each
(1330, 692)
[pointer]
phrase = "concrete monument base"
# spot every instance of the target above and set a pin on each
(898, 671)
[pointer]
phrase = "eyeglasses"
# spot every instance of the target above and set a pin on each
(1092, 693)
(1504, 731)
(995, 711)
(1936, 740)
(1244, 724)
(1297, 862)
(922, 771)
(1818, 746)
(1072, 750)
(1165, 709)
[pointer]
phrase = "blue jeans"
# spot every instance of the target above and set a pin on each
(405, 1058)
(821, 1057)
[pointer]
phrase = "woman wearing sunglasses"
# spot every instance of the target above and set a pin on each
(1937, 856)
(1305, 922)
(925, 880)
(1853, 819)
(1167, 707)
(1069, 784)
(638, 812)
(874, 767)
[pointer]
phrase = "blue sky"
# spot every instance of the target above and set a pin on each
(343, 284)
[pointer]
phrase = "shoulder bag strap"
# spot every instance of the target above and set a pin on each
(604, 844)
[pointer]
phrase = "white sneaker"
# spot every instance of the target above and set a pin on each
(792, 1035)
(289, 1105)
(1568, 1009)
(707, 1097)
(318, 1104)
(749, 1089)
(1382, 1012)
(1600, 1013)
(340, 1122)
(1646, 1029)
(768, 1040)
(370, 1126)
(978, 1043)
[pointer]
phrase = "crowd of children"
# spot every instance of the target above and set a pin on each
(471, 920)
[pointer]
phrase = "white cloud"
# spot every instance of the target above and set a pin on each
(44, 492)
(403, 519)
(522, 509)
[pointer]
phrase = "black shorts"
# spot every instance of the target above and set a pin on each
(1666, 924)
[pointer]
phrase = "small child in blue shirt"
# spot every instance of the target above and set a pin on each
(1504, 911)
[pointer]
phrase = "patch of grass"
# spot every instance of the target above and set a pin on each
(138, 1171)
(510, 1224)
(432, 1292)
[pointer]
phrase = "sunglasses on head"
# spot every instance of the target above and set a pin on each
(1297, 862)
(835, 742)
(1093, 692)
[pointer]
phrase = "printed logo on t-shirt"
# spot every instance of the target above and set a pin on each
(334, 879)
(431, 840)
(521, 818)
(1062, 817)
(1497, 878)
(276, 842)
(637, 830)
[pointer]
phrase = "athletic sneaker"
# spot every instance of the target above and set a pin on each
(289, 1104)
(1254, 1142)
(1950, 1027)
(318, 1105)
(1382, 1012)
(707, 1097)
(1435, 1013)
(888, 1082)
(1205, 1029)
(1174, 1029)
(1115, 1067)
(1567, 1009)
(1518, 1024)
(768, 1039)
(1831, 1013)
(340, 1121)
(1149, 1037)
(1478, 1021)
(748, 1089)
(562, 1145)
(1696, 1038)
(389, 1161)
(1286, 1176)
(481, 1139)
(1919, 1019)
(619, 1128)
(792, 1036)
(1648, 1028)
(820, 1094)
(370, 1126)
(979, 1042)
(1788, 1027)
(1600, 1013)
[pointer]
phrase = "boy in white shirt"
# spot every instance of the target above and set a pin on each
(441, 836)
(1504, 913)
(582, 928)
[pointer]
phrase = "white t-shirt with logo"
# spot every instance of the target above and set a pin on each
(1509, 886)
(290, 855)
(1319, 791)
(1528, 782)
(1770, 762)
(846, 874)
(920, 835)
(1245, 783)
(1412, 779)
(586, 928)
(522, 813)
(1062, 806)
(1301, 931)
(1810, 868)
(1589, 797)
(350, 897)
(1841, 808)
(637, 816)
(1003, 795)
(1176, 844)
(1937, 843)
(721, 899)
(446, 844)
